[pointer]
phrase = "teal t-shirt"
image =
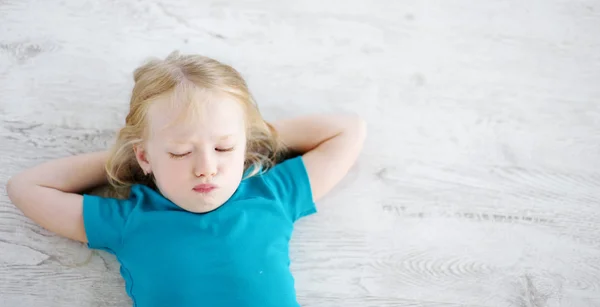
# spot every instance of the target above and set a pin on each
(236, 255)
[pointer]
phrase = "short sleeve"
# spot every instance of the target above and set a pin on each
(291, 186)
(104, 220)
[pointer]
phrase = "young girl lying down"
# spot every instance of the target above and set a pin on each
(209, 192)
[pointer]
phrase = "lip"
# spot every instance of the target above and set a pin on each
(204, 188)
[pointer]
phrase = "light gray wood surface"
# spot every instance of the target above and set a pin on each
(479, 184)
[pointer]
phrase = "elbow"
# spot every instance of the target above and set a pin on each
(362, 128)
(358, 129)
(14, 190)
(353, 134)
(11, 188)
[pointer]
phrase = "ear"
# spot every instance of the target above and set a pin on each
(141, 155)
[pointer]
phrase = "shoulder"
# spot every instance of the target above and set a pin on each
(105, 218)
(279, 178)
(287, 183)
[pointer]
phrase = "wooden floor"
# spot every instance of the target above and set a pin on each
(479, 184)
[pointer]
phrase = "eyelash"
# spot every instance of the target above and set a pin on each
(176, 156)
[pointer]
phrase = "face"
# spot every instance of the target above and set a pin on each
(197, 166)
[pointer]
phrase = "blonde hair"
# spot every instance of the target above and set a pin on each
(180, 77)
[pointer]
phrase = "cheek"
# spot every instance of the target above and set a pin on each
(233, 164)
(240, 158)
(168, 167)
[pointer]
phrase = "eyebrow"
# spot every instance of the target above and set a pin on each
(186, 140)
(226, 136)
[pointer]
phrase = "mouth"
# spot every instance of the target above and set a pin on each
(204, 188)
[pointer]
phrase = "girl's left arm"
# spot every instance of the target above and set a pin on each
(329, 144)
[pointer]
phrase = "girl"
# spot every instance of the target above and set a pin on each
(207, 198)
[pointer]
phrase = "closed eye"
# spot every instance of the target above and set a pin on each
(224, 149)
(178, 156)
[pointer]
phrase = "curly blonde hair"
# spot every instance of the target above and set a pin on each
(178, 76)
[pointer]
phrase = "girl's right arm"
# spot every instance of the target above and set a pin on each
(329, 144)
(48, 193)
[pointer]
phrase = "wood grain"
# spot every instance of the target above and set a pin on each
(478, 185)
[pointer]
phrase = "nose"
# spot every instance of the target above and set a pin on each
(205, 165)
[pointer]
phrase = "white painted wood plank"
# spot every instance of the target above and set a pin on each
(478, 185)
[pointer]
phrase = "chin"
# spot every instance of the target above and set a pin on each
(204, 208)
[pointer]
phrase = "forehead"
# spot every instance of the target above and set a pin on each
(206, 114)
